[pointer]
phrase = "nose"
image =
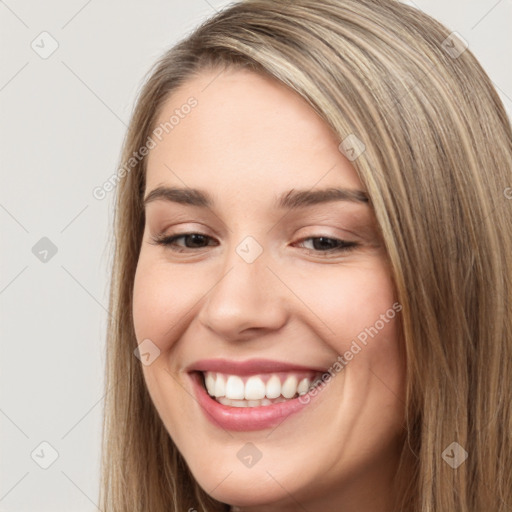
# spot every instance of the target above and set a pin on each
(246, 300)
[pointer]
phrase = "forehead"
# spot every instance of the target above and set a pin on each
(244, 130)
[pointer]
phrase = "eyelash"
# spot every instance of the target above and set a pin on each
(169, 240)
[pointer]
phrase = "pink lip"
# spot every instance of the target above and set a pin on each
(249, 367)
(244, 418)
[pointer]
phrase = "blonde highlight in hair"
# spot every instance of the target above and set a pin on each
(436, 167)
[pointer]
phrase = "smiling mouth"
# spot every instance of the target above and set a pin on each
(258, 390)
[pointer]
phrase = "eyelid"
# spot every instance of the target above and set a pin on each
(343, 246)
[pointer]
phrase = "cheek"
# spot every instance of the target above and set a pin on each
(358, 317)
(163, 300)
(349, 301)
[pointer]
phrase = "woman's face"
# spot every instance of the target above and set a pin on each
(270, 284)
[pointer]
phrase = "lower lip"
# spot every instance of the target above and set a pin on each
(244, 418)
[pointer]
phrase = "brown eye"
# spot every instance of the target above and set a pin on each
(328, 245)
(192, 241)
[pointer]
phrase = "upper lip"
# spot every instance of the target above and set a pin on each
(247, 367)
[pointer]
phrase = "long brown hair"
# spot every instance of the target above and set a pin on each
(437, 166)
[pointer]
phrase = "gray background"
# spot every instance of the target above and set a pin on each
(63, 119)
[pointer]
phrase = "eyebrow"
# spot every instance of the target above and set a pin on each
(291, 199)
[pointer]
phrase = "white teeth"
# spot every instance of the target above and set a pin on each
(303, 386)
(235, 388)
(273, 389)
(249, 403)
(220, 386)
(209, 381)
(254, 389)
(289, 387)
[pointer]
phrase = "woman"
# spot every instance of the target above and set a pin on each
(310, 303)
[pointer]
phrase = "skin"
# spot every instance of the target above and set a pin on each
(248, 140)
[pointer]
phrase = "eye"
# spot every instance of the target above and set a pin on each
(192, 241)
(323, 244)
(320, 244)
